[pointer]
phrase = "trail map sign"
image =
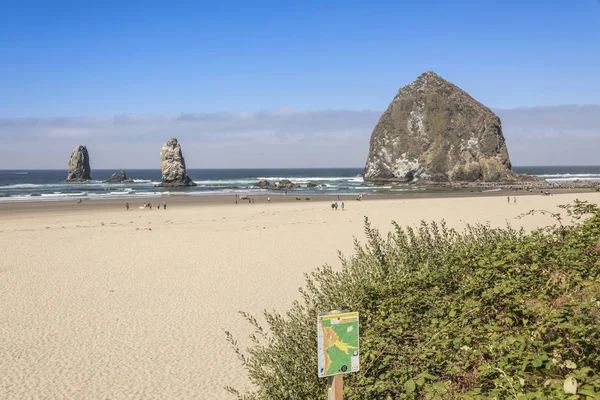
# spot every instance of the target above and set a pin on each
(338, 343)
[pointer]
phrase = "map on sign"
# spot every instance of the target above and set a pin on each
(337, 334)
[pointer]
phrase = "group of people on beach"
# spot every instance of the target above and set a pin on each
(250, 200)
(148, 205)
(334, 206)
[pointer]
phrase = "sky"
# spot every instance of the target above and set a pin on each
(284, 84)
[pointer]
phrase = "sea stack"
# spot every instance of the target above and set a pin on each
(79, 165)
(172, 165)
(433, 131)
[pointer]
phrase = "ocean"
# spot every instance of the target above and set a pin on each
(43, 185)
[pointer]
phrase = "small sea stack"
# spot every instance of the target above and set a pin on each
(172, 165)
(79, 165)
(121, 177)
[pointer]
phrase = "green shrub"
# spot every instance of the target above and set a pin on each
(486, 313)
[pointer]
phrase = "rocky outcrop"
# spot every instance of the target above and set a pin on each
(433, 131)
(79, 165)
(284, 184)
(264, 184)
(121, 177)
(172, 165)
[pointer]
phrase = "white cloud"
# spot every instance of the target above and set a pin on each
(552, 135)
(280, 138)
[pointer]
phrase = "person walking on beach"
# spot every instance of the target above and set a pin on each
(515, 200)
(127, 206)
(164, 205)
(269, 199)
(342, 206)
(508, 199)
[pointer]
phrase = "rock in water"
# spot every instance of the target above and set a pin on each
(79, 165)
(172, 165)
(264, 184)
(121, 177)
(284, 184)
(434, 131)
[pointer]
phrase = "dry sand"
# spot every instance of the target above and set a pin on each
(101, 303)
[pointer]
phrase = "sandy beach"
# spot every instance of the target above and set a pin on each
(103, 303)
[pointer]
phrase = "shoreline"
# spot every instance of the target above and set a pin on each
(17, 208)
(49, 185)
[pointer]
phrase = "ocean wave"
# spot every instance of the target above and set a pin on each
(570, 177)
(59, 194)
(272, 179)
(24, 198)
(154, 194)
(580, 176)
(573, 179)
(23, 186)
(357, 179)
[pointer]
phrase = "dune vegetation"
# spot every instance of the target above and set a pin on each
(482, 313)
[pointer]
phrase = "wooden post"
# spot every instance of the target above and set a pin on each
(335, 389)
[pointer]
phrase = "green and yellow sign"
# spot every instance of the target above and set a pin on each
(337, 333)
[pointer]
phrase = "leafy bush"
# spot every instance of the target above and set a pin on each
(486, 313)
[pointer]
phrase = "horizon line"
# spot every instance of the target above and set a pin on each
(266, 168)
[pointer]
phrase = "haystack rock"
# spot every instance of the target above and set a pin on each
(172, 165)
(433, 131)
(121, 177)
(79, 165)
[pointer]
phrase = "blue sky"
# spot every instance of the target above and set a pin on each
(282, 83)
(80, 58)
